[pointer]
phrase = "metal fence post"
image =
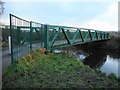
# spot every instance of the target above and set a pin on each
(31, 36)
(43, 33)
(12, 61)
(9, 42)
(46, 39)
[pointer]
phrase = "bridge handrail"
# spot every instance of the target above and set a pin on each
(61, 26)
(93, 30)
(19, 18)
(53, 26)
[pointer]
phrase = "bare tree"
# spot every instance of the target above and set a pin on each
(1, 7)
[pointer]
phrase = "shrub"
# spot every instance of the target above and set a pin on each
(112, 76)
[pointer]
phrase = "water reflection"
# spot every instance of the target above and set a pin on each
(111, 66)
(106, 61)
(114, 54)
(95, 61)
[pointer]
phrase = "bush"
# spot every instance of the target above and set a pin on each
(112, 76)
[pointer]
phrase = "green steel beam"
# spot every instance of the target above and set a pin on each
(69, 33)
(90, 35)
(46, 34)
(96, 35)
(27, 27)
(66, 36)
(81, 35)
(104, 35)
(42, 29)
(76, 33)
(52, 33)
(57, 26)
(100, 35)
(55, 37)
(95, 38)
(86, 36)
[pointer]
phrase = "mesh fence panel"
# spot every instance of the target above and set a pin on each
(25, 36)
(37, 35)
(20, 36)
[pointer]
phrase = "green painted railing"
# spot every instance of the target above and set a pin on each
(62, 36)
(28, 35)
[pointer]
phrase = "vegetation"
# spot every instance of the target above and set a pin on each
(113, 43)
(41, 69)
(4, 44)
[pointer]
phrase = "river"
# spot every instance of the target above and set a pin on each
(108, 61)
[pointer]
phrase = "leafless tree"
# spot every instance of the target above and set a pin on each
(1, 7)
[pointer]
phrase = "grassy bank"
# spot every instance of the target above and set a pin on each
(40, 70)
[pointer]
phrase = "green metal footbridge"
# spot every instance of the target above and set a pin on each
(27, 36)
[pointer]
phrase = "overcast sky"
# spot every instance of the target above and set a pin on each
(96, 15)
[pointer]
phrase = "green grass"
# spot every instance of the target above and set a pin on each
(54, 71)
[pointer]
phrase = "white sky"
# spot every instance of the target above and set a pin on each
(105, 20)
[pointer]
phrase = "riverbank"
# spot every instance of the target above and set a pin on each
(112, 44)
(109, 45)
(41, 69)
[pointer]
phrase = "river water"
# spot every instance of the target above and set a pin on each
(108, 61)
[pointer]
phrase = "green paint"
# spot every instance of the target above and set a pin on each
(46, 35)
(46, 41)
(55, 37)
